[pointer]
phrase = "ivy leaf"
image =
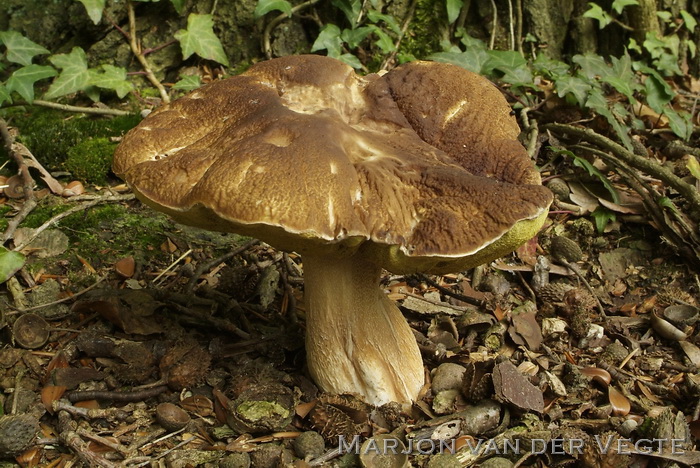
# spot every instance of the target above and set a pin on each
(199, 38)
(504, 60)
(599, 103)
(351, 9)
(4, 95)
(454, 7)
(265, 6)
(328, 39)
(375, 17)
(351, 60)
(22, 80)
(179, 5)
(689, 21)
(601, 217)
(596, 12)
(592, 66)
(619, 5)
(188, 83)
(553, 69)
(383, 41)
(575, 86)
(680, 122)
(473, 60)
(353, 37)
(111, 77)
(693, 166)
(20, 49)
(658, 93)
(10, 263)
(74, 73)
(94, 9)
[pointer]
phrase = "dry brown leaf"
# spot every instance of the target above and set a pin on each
(620, 404)
(51, 393)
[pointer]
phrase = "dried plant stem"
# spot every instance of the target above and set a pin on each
(136, 50)
(494, 26)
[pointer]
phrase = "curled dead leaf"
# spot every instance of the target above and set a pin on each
(597, 375)
(620, 404)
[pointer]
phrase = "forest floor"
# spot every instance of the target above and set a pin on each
(133, 341)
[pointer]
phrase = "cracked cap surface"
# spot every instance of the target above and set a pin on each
(420, 168)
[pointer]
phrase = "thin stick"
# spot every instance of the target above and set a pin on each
(172, 265)
(140, 57)
(494, 27)
(65, 299)
(75, 209)
(510, 25)
(68, 108)
(209, 265)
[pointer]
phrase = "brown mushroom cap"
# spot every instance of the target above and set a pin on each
(420, 168)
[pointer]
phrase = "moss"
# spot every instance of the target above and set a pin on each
(425, 30)
(50, 134)
(91, 160)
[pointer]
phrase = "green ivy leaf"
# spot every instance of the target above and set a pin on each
(10, 263)
(351, 9)
(199, 38)
(328, 39)
(454, 7)
(473, 59)
(689, 21)
(20, 49)
(111, 77)
(658, 92)
(94, 9)
(693, 166)
(353, 37)
(575, 86)
(601, 217)
(504, 60)
(553, 69)
(22, 80)
(619, 5)
(596, 12)
(4, 95)
(265, 6)
(179, 5)
(74, 73)
(592, 66)
(351, 60)
(597, 101)
(680, 122)
(384, 41)
(188, 83)
(375, 17)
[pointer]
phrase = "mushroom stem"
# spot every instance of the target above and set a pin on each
(357, 340)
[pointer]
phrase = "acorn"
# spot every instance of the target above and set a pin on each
(17, 433)
(563, 248)
(171, 417)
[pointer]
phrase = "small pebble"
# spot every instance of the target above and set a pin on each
(309, 444)
(448, 376)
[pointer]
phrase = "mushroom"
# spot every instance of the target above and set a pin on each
(418, 170)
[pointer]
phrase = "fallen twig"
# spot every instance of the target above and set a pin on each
(69, 108)
(70, 211)
(136, 50)
(72, 439)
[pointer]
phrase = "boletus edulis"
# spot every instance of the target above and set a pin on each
(417, 170)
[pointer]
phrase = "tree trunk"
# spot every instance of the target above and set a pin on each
(643, 19)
